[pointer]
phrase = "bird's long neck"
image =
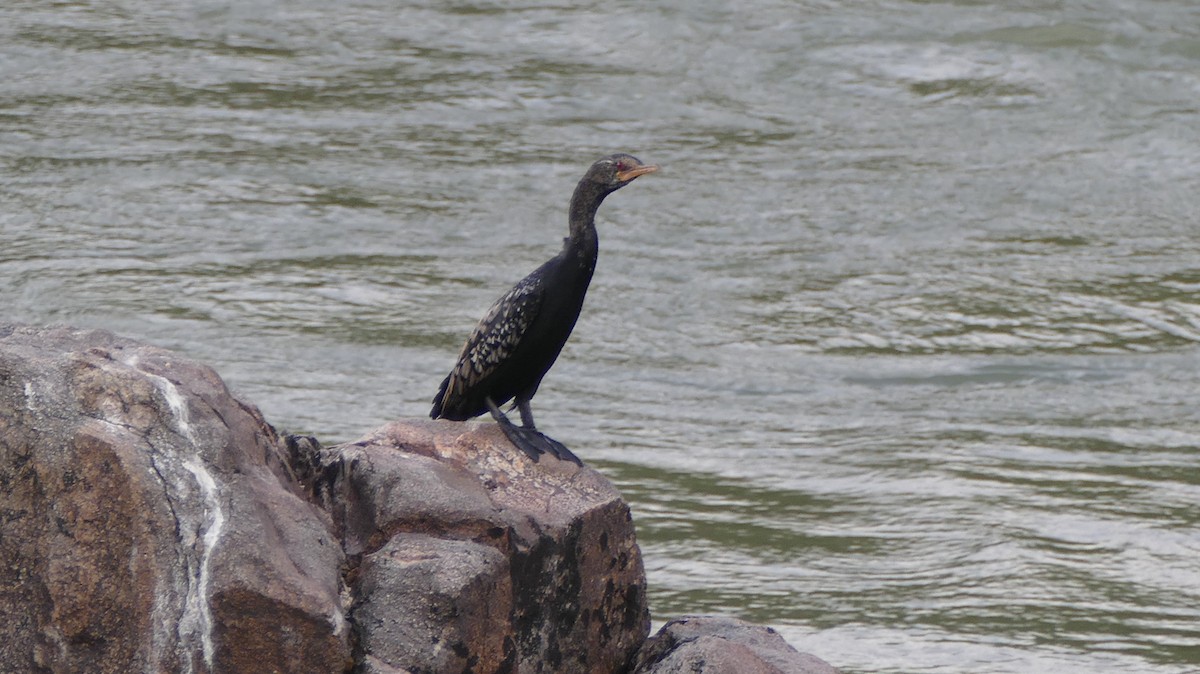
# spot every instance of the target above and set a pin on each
(584, 204)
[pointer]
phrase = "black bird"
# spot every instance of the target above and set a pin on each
(518, 339)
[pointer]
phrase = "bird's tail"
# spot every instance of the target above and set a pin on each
(436, 412)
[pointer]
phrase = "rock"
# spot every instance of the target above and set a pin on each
(437, 605)
(719, 645)
(148, 522)
(474, 558)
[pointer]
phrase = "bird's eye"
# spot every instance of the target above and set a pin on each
(621, 166)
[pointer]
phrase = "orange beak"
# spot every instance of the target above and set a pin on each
(626, 176)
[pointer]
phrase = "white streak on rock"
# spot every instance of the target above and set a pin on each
(178, 405)
(196, 620)
(174, 398)
(338, 622)
(196, 608)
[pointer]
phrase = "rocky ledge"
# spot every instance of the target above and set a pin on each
(151, 522)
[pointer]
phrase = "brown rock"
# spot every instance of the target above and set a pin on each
(147, 522)
(475, 558)
(719, 645)
(150, 522)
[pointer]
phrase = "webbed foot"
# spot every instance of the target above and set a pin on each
(535, 443)
(527, 438)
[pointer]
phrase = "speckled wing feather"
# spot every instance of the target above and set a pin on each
(495, 338)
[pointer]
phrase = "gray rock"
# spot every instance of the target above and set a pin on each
(437, 605)
(475, 558)
(720, 645)
(148, 522)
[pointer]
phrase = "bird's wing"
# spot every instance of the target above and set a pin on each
(497, 335)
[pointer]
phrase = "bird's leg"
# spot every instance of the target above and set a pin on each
(526, 414)
(527, 438)
(516, 435)
(549, 444)
(496, 413)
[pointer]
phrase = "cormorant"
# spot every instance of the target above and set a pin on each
(518, 339)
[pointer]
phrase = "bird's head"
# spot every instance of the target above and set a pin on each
(618, 170)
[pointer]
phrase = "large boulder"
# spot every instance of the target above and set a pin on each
(148, 522)
(721, 645)
(470, 557)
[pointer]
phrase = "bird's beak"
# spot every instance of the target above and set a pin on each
(626, 176)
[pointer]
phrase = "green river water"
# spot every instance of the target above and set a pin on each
(897, 353)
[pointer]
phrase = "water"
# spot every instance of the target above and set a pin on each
(898, 352)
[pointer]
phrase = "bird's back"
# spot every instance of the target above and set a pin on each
(513, 347)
